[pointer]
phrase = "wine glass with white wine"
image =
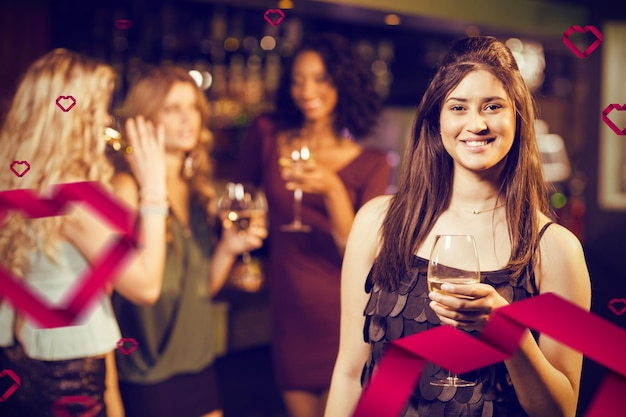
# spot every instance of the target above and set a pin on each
(294, 157)
(240, 208)
(453, 259)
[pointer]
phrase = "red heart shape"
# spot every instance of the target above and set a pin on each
(89, 404)
(66, 98)
(580, 29)
(20, 174)
(609, 122)
(106, 266)
(131, 349)
(618, 306)
(273, 12)
(15, 386)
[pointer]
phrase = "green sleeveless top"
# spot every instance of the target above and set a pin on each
(180, 333)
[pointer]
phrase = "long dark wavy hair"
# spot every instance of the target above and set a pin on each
(425, 183)
(358, 103)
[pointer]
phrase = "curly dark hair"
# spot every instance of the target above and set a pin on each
(358, 103)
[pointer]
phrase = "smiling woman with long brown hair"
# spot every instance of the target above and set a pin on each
(472, 168)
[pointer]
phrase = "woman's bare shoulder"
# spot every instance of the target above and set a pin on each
(562, 267)
(558, 237)
(373, 212)
(125, 187)
(366, 229)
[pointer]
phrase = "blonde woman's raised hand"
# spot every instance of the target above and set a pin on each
(147, 159)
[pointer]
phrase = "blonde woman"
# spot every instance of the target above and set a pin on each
(176, 342)
(50, 253)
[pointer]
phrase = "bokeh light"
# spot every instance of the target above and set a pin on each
(231, 44)
(268, 43)
(558, 200)
(392, 19)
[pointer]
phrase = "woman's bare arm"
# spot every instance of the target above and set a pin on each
(361, 249)
(546, 375)
(140, 281)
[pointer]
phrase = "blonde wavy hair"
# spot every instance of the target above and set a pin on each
(60, 146)
(146, 97)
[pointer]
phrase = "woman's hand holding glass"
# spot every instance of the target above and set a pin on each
(241, 242)
(465, 306)
(243, 230)
(244, 225)
(313, 179)
(453, 259)
(458, 297)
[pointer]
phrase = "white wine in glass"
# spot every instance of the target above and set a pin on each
(454, 260)
(294, 154)
(237, 208)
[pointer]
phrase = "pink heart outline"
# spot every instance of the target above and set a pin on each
(272, 11)
(121, 348)
(580, 29)
(123, 24)
(609, 122)
(16, 383)
(66, 98)
(106, 266)
(20, 163)
(59, 407)
(616, 310)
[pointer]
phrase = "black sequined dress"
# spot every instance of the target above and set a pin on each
(392, 315)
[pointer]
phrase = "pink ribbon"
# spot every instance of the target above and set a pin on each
(605, 118)
(580, 29)
(89, 404)
(105, 267)
(401, 366)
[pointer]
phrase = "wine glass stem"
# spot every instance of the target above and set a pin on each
(245, 257)
(297, 215)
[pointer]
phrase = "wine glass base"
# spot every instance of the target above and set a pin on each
(452, 381)
(249, 282)
(247, 276)
(295, 227)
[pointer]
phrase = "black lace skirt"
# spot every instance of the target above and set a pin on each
(52, 388)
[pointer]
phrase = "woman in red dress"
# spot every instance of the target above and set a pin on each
(326, 95)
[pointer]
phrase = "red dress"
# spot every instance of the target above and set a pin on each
(303, 269)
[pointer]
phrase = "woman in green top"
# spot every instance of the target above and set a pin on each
(171, 371)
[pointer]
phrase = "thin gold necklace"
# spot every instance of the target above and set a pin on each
(483, 211)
